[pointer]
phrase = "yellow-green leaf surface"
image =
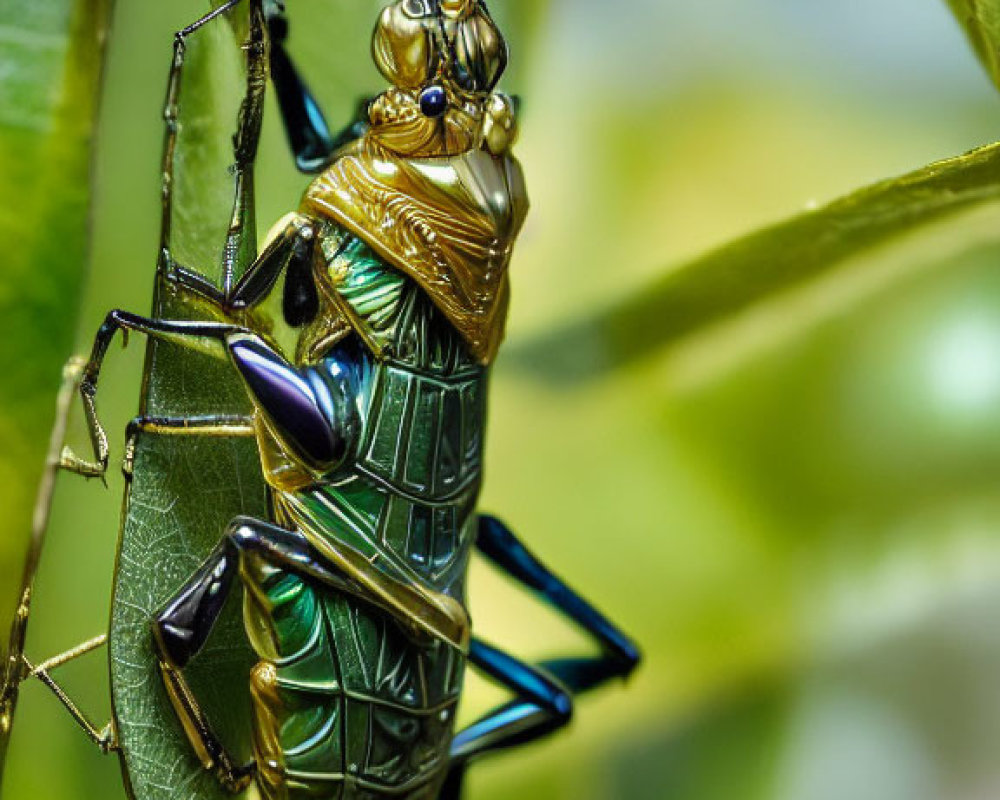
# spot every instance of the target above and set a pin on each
(51, 55)
(981, 20)
(763, 266)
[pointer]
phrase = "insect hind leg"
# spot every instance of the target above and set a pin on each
(544, 691)
(182, 627)
(619, 656)
(179, 632)
(541, 705)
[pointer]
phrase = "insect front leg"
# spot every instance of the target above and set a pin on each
(240, 234)
(289, 250)
(308, 133)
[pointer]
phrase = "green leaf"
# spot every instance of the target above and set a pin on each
(204, 481)
(762, 266)
(981, 20)
(52, 52)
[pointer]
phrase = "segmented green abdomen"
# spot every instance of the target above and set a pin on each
(349, 703)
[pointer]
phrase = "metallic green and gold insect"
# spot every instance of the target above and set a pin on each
(368, 430)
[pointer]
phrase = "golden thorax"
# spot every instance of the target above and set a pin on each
(437, 195)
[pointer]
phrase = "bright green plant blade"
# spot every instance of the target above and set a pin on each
(52, 54)
(760, 267)
(981, 20)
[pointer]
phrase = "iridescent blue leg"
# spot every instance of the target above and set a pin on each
(619, 655)
(308, 133)
(542, 705)
(544, 691)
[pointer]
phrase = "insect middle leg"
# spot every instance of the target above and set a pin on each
(208, 337)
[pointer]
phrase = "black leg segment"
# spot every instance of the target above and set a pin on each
(181, 629)
(541, 705)
(306, 127)
(543, 692)
(309, 135)
(311, 410)
(619, 656)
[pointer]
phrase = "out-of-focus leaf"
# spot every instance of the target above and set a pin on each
(981, 20)
(759, 267)
(521, 22)
(52, 53)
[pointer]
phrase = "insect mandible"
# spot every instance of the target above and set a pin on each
(393, 275)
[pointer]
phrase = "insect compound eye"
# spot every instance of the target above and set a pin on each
(464, 78)
(433, 102)
(417, 8)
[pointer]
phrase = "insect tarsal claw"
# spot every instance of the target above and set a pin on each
(108, 742)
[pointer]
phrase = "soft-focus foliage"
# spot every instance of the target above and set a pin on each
(51, 55)
(50, 60)
(794, 510)
(981, 20)
(774, 261)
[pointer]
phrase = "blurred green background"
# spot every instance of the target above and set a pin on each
(795, 512)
